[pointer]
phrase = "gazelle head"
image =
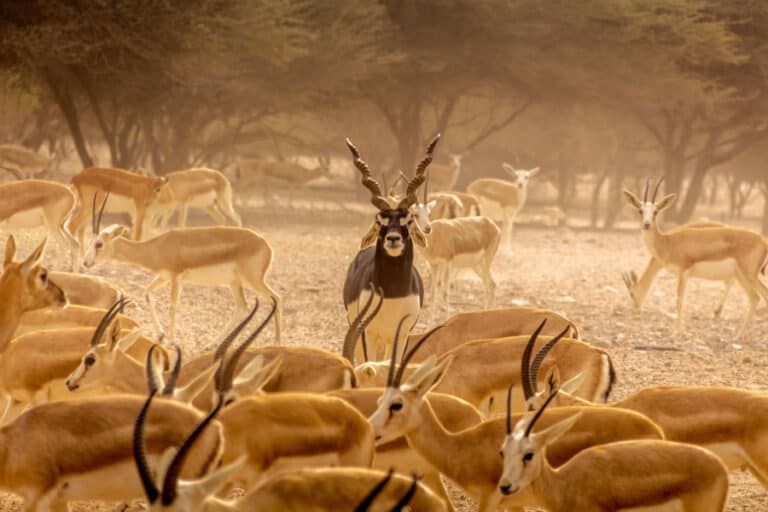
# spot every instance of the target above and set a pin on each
(521, 176)
(102, 240)
(523, 449)
(97, 364)
(393, 228)
(529, 371)
(160, 190)
(648, 210)
(398, 407)
(28, 281)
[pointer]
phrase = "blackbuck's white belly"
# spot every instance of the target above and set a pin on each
(24, 220)
(382, 329)
(720, 270)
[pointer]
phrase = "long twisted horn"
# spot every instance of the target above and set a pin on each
(171, 479)
(540, 355)
(419, 178)
(407, 357)
(539, 413)
(359, 324)
(377, 197)
(228, 374)
(656, 190)
(525, 366)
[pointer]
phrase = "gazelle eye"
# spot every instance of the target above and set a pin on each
(396, 406)
(528, 457)
(89, 360)
(98, 245)
(501, 453)
(44, 277)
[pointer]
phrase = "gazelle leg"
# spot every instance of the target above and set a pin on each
(682, 279)
(447, 286)
(156, 283)
(176, 287)
(216, 215)
(726, 290)
(484, 273)
(183, 214)
(138, 222)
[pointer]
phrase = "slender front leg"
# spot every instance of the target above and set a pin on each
(183, 214)
(138, 222)
(176, 286)
(726, 290)
(156, 283)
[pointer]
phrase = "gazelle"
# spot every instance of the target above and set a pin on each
(87, 290)
(470, 457)
(444, 177)
(268, 173)
(30, 203)
(206, 256)
(445, 205)
(469, 203)
(130, 192)
(22, 162)
(387, 266)
(628, 475)
(510, 196)
(82, 449)
(69, 316)
(201, 188)
(466, 242)
(24, 287)
(716, 253)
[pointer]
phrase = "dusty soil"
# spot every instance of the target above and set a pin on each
(575, 272)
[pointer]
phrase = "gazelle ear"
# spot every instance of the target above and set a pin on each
(533, 172)
(430, 206)
(36, 256)
(551, 434)
(256, 375)
(213, 482)
(417, 236)
(427, 376)
(10, 250)
(508, 167)
(666, 202)
(370, 237)
(552, 380)
(126, 342)
(573, 384)
(193, 388)
(632, 199)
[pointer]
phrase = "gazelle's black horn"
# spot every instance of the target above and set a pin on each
(525, 361)
(540, 355)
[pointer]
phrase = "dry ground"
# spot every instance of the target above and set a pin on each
(574, 272)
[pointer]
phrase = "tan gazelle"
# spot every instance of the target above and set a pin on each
(208, 256)
(715, 253)
(648, 475)
(470, 457)
(28, 204)
(24, 286)
(87, 290)
(198, 187)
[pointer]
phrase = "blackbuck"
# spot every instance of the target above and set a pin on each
(207, 256)
(386, 267)
(31, 203)
(87, 290)
(24, 286)
(510, 196)
(715, 253)
(470, 457)
(627, 475)
(200, 187)
(83, 449)
(130, 192)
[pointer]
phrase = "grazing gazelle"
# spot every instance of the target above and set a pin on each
(470, 457)
(627, 475)
(199, 187)
(206, 256)
(510, 196)
(387, 265)
(24, 286)
(130, 192)
(716, 253)
(30, 203)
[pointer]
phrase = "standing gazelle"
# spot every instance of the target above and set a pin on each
(206, 256)
(709, 252)
(388, 264)
(628, 475)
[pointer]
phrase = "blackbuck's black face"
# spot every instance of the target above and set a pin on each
(393, 228)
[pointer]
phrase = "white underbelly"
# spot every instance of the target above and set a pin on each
(732, 454)
(202, 200)
(392, 311)
(25, 220)
(720, 270)
(212, 275)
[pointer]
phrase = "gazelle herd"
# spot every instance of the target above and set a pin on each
(508, 404)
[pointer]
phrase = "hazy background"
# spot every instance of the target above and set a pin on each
(598, 93)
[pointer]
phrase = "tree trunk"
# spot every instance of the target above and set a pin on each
(765, 209)
(68, 108)
(614, 202)
(594, 212)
